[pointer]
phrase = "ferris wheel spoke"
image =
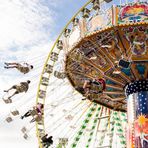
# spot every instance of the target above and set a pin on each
(64, 115)
(60, 132)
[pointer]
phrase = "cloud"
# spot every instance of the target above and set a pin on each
(24, 23)
(25, 31)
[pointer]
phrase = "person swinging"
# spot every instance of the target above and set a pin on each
(23, 68)
(20, 88)
(47, 140)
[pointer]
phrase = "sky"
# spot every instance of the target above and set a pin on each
(28, 30)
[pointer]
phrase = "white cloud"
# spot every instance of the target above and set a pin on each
(24, 23)
(24, 36)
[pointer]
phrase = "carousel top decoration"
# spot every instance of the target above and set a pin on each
(137, 12)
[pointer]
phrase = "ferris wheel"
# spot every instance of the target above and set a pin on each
(104, 47)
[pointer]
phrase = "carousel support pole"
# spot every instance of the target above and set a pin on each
(137, 112)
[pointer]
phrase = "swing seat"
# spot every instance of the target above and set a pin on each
(15, 112)
(9, 119)
(7, 101)
(124, 63)
(59, 75)
(24, 130)
(60, 44)
(25, 136)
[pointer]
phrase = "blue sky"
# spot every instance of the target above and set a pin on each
(21, 32)
(32, 27)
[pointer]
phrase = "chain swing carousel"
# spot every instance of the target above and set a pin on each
(105, 47)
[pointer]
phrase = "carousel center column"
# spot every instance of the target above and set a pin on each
(137, 112)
